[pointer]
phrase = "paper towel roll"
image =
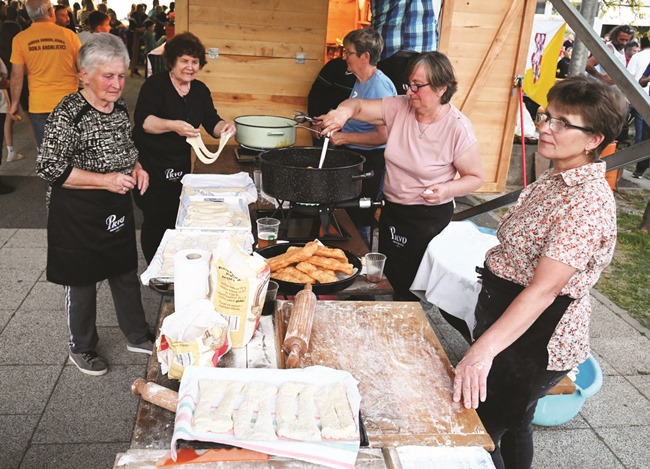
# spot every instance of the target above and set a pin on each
(191, 270)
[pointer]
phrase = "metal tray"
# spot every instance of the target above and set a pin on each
(290, 288)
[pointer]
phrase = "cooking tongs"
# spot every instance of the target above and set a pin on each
(302, 118)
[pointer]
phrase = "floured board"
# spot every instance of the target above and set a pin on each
(404, 374)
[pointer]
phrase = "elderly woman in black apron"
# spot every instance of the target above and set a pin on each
(429, 143)
(91, 165)
(171, 106)
(533, 309)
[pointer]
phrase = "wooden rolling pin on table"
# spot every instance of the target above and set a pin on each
(296, 341)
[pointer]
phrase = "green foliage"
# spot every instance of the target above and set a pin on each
(626, 281)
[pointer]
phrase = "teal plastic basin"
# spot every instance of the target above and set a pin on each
(558, 409)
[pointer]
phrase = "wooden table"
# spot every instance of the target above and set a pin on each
(404, 375)
(228, 164)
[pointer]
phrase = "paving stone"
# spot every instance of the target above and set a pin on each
(624, 355)
(90, 409)
(630, 445)
(641, 383)
(6, 234)
(575, 423)
(35, 337)
(75, 456)
(606, 324)
(618, 403)
(16, 284)
(45, 295)
(26, 389)
(112, 348)
(571, 449)
(28, 238)
(15, 431)
(5, 315)
(23, 258)
(605, 366)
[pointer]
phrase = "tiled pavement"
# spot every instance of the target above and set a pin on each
(52, 416)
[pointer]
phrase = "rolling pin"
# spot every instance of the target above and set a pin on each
(156, 394)
(296, 340)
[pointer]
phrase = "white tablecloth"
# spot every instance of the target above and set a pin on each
(447, 277)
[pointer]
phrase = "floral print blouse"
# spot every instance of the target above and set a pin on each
(569, 217)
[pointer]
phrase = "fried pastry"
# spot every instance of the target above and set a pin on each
(334, 253)
(320, 275)
(331, 264)
(291, 274)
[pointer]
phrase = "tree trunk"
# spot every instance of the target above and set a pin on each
(645, 221)
(588, 10)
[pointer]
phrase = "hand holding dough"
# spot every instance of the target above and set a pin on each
(202, 153)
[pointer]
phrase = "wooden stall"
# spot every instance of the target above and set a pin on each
(257, 71)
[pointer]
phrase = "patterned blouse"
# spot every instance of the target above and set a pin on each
(569, 217)
(79, 136)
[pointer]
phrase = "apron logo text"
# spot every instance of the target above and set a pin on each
(399, 241)
(172, 175)
(114, 224)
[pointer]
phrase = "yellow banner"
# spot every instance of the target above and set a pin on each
(541, 77)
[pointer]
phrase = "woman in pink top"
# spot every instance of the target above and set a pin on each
(533, 310)
(429, 142)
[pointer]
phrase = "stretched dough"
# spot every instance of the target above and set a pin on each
(202, 153)
(258, 399)
(336, 417)
(302, 426)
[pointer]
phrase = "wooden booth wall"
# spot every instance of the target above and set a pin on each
(257, 73)
(487, 43)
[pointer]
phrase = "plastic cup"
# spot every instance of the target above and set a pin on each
(271, 296)
(375, 266)
(267, 231)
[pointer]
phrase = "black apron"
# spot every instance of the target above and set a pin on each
(516, 370)
(165, 174)
(90, 236)
(404, 234)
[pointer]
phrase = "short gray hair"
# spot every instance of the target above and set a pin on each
(38, 9)
(101, 48)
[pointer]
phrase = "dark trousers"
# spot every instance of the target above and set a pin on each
(518, 377)
(81, 310)
(159, 209)
(641, 166)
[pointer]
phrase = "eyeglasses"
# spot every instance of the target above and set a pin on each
(348, 53)
(557, 124)
(414, 87)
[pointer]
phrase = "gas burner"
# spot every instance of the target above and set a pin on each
(305, 222)
(246, 155)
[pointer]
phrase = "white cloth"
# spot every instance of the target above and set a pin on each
(447, 277)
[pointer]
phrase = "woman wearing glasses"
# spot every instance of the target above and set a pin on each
(533, 310)
(429, 142)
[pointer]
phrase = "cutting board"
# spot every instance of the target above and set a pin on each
(405, 377)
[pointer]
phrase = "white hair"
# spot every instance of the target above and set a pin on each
(38, 9)
(101, 48)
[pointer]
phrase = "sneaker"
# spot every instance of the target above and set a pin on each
(15, 157)
(636, 175)
(146, 346)
(89, 363)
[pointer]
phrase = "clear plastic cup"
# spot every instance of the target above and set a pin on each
(375, 266)
(267, 232)
(271, 296)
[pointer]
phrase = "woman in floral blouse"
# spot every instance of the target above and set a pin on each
(533, 310)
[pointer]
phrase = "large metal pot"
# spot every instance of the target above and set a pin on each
(292, 174)
(265, 132)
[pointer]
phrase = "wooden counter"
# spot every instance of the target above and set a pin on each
(404, 374)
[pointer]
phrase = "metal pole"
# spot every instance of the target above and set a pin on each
(588, 10)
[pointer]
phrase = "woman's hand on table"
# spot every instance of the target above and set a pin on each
(141, 178)
(470, 383)
(119, 183)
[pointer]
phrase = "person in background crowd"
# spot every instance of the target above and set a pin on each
(533, 311)
(51, 71)
(643, 165)
(149, 37)
(171, 106)
(4, 188)
(564, 63)
(361, 50)
(160, 18)
(61, 14)
(91, 164)
(405, 25)
(117, 28)
(636, 66)
(631, 48)
(88, 8)
(151, 13)
(76, 8)
(72, 25)
(9, 30)
(99, 22)
(620, 36)
(3, 11)
(429, 143)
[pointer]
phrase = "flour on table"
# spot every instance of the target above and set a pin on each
(254, 419)
(336, 417)
(295, 412)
